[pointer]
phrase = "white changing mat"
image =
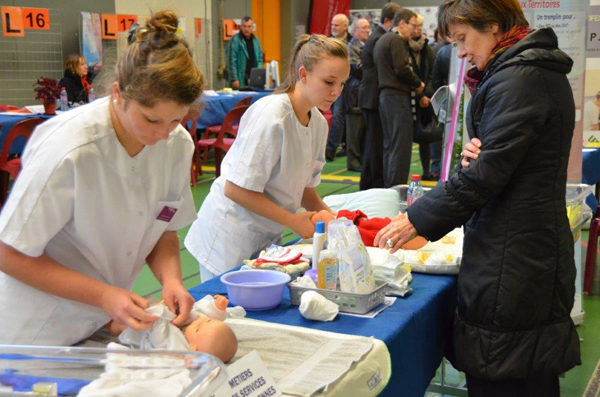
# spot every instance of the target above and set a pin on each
(304, 361)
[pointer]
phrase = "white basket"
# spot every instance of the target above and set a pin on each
(347, 301)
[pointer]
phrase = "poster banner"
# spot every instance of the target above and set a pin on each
(568, 19)
(323, 12)
(91, 38)
(591, 106)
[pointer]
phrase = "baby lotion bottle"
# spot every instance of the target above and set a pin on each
(318, 240)
(327, 270)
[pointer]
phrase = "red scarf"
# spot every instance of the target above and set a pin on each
(510, 38)
(85, 83)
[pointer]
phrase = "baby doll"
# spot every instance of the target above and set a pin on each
(206, 333)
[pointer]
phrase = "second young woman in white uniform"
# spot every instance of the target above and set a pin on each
(274, 165)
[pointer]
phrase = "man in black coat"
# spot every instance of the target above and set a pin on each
(398, 84)
(368, 100)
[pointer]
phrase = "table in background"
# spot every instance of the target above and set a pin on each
(591, 173)
(216, 107)
(8, 121)
(412, 329)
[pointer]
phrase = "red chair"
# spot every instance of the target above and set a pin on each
(196, 167)
(592, 249)
(213, 130)
(221, 143)
(12, 167)
(8, 108)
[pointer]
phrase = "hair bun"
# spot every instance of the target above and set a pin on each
(163, 21)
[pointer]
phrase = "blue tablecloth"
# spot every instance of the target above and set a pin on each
(413, 328)
(7, 122)
(216, 107)
(591, 172)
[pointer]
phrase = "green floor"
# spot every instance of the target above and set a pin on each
(337, 180)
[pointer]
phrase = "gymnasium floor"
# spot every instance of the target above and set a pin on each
(336, 179)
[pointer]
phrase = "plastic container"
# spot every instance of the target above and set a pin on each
(347, 301)
(255, 290)
(327, 270)
(64, 99)
(70, 368)
(91, 95)
(415, 190)
(318, 241)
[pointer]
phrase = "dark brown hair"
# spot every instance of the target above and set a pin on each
(480, 14)
(404, 15)
(308, 51)
(159, 65)
(388, 11)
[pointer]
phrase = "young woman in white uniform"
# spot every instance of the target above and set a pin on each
(274, 165)
(103, 190)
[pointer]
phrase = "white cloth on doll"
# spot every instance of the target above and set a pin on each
(164, 335)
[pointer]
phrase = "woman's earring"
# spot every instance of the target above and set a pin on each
(114, 101)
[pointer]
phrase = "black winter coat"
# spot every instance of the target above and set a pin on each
(74, 87)
(516, 284)
(368, 92)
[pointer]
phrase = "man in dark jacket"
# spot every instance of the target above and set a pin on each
(368, 100)
(397, 82)
(243, 53)
(512, 333)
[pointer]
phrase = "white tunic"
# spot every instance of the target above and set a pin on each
(273, 154)
(85, 202)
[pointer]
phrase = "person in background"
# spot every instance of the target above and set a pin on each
(274, 165)
(398, 85)
(339, 30)
(355, 125)
(75, 79)
(440, 40)
(103, 190)
(439, 78)
(591, 114)
(371, 175)
(422, 57)
(512, 333)
(243, 53)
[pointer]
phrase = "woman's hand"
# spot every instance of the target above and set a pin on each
(302, 225)
(127, 308)
(399, 232)
(178, 300)
(472, 150)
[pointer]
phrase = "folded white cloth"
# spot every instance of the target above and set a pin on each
(315, 306)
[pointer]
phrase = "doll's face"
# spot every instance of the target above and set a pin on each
(212, 337)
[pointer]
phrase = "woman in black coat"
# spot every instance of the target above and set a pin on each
(75, 79)
(512, 333)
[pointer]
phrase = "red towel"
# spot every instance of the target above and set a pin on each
(368, 228)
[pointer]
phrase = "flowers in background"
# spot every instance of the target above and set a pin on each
(46, 89)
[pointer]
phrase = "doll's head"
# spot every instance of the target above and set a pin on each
(212, 336)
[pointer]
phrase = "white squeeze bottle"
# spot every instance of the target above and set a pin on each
(318, 240)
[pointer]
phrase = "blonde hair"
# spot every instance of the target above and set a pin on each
(159, 65)
(308, 51)
(420, 19)
(72, 62)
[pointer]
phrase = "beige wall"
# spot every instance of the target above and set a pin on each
(190, 9)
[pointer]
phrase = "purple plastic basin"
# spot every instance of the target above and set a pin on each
(255, 290)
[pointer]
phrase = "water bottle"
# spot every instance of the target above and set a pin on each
(64, 99)
(91, 95)
(415, 190)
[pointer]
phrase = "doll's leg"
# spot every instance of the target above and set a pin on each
(221, 302)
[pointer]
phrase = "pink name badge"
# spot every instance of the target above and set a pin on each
(166, 214)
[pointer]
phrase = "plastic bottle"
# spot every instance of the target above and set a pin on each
(91, 95)
(318, 240)
(415, 190)
(327, 270)
(64, 99)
